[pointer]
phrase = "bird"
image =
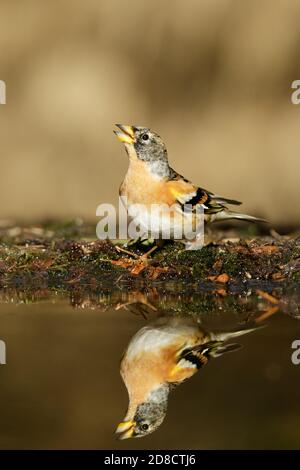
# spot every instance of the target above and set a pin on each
(161, 356)
(150, 181)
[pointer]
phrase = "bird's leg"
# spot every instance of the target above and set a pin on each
(134, 255)
(149, 252)
(159, 243)
(133, 242)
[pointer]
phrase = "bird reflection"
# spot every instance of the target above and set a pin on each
(159, 357)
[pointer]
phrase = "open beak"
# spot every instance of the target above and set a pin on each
(125, 430)
(126, 134)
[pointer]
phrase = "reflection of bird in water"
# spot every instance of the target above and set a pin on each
(160, 356)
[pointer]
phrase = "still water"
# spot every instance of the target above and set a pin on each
(61, 385)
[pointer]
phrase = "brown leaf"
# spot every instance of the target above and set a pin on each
(134, 266)
(43, 263)
(123, 263)
(138, 268)
(239, 249)
(221, 292)
(264, 249)
(278, 276)
(223, 278)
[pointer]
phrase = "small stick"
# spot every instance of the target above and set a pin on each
(127, 252)
(266, 314)
(267, 297)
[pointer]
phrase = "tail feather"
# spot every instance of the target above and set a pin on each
(225, 200)
(218, 338)
(226, 335)
(219, 350)
(227, 214)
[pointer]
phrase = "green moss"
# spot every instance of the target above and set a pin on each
(62, 254)
(235, 264)
(295, 276)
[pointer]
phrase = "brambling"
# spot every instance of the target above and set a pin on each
(150, 180)
(159, 357)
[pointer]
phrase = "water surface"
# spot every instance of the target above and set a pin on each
(61, 386)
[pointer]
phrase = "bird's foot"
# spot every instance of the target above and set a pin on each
(145, 256)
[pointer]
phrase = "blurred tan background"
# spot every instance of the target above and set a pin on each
(212, 77)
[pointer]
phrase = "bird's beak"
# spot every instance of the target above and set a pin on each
(125, 429)
(126, 135)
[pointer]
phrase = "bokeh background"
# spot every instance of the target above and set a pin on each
(212, 77)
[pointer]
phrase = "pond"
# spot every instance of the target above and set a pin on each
(61, 385)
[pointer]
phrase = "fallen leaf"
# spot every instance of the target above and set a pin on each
(43, 264)
(123, 263)
(239, 249)
(221, 292)
(138, 268)
(134, 266)
(277, 276)
(264, 249)
(223, 278)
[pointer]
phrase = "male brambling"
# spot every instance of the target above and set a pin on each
(159, 357)
(150, 180)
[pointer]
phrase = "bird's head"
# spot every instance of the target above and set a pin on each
(142, 143)
(147, 416)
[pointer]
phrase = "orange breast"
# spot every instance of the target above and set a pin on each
(140, 186)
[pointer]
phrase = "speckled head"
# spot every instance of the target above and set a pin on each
(146, 146)
(148, 415)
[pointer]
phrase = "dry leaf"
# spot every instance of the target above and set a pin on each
(221, 292)
(123, 263)
(138, 268)
(223, 278)
(277, 276)
(264, 249)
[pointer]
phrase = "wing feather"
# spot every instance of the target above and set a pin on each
(186, 193)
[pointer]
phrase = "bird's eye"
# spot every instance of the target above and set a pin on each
(145, 427)
(145, 137)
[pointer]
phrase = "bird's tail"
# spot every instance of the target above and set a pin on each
(227, 214)
(218, 338)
